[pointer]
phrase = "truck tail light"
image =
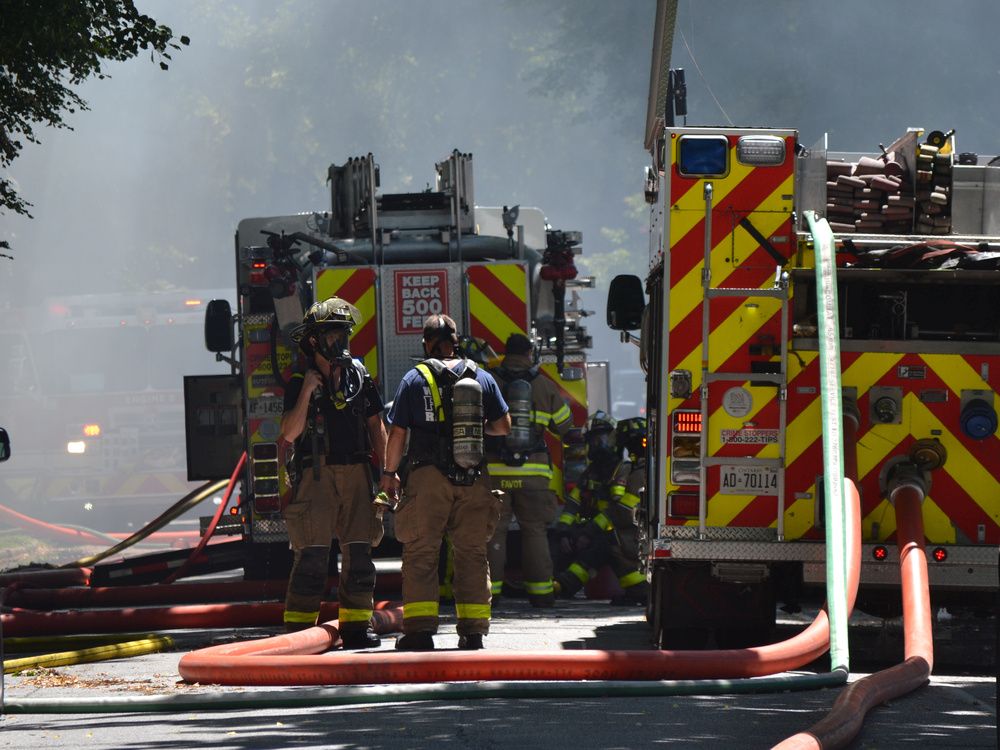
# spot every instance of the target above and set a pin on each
(682, 505)
(685, 447)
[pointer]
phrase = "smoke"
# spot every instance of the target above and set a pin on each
(146, 191)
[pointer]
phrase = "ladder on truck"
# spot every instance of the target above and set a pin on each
(779, 379)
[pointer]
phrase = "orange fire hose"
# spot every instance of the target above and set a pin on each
(280, 662)
(846, 717)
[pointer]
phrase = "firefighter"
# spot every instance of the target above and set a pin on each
(444, 404)
(627, 489)
(333, 416)
(520, 466)
(584, 524)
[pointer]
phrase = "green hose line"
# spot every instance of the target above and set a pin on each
(97, 653)
(368, 694)
(180, 507)
(34, 643)
(835, 503)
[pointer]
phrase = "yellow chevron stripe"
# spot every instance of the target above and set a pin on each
(983, 488)
(956, 372)
(512, 276)
(486, 312)
(687, 294)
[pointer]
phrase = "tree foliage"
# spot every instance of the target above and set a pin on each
(45, 49)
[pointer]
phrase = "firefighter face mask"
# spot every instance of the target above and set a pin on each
(601, 446)
(333, 346)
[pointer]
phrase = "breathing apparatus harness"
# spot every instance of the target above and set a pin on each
(336, 316)
(454, 441)
(515, 448)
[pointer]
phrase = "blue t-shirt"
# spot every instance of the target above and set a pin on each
(413, 406)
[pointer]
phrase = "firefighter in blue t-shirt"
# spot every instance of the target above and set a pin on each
(444, 405)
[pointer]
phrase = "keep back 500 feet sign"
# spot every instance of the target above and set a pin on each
(419, 293)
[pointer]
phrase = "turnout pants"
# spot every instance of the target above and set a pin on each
(338, 504)
(535, 509)
(431, 507)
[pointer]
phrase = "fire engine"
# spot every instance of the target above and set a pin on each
(397, 257)
(733, 518)
(93, 398)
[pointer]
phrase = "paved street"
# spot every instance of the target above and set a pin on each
(955, 710)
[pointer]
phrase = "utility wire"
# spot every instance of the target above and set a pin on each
(702, 75)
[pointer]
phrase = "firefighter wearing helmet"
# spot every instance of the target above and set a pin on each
(444, 405)
(594, 521)
(332, 415)
(520, 466)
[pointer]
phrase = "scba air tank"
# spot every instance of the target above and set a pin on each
(519, 401)
(467, 423)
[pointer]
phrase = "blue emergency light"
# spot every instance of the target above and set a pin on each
(703, 155)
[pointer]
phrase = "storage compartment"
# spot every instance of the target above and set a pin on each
(915, 310)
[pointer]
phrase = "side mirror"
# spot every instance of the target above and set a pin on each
(4, 445)
(626, 301)
(219, 326)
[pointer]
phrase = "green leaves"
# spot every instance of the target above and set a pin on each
(45, 48)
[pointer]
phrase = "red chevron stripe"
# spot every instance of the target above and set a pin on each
(364, 339)
(359, 282)
(801, 475)
(760, 512)
(686, 252)
(500, 294)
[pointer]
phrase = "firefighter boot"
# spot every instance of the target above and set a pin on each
(471, 642)
(542, 601)
(570, 581)
(357, 639)
(419, 641)
(633, 596)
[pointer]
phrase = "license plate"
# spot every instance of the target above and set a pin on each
(263, 407)
(747, 480)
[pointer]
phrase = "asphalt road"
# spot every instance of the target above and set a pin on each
(957, 708)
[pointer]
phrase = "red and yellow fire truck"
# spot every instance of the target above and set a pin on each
(397, 258)
(733, 518)
(93, 401)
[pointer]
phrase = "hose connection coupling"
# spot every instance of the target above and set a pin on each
(906, 473)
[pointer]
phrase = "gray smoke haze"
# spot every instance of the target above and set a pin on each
(549, 95)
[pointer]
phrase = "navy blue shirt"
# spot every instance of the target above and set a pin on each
(413, 406)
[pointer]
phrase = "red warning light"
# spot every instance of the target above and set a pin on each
(687, 422)
(940, 554)
(880, 553)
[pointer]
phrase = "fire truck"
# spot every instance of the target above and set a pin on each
(397, 257)
(93, 398)
(728, 320)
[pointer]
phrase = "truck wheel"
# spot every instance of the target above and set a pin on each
(744, 637)
(684, 639)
